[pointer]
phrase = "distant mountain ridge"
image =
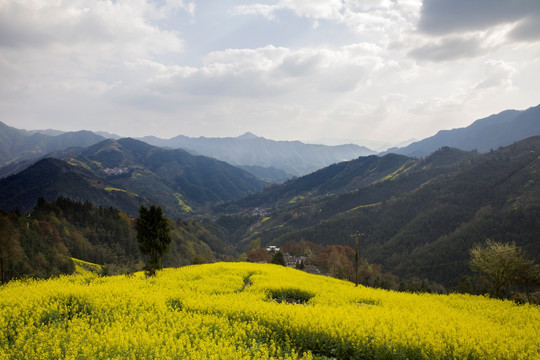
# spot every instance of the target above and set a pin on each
(126, 173)
(274, 161)
(293, 157)
(17, 145)
(419, 217)
(483, 135)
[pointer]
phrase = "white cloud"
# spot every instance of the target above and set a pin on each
(123, 27)
(272, 71)
(450, 48)
(80, 46)
(314, 9)
(498, 74)
(359, 15)
(285, 69)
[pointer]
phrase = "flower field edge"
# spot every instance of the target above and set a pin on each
(253, 311)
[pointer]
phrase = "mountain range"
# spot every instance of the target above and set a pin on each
(293, 157)
(420, 215)
(269, 160)
(126, 173)
(483, 135)
(18, 145)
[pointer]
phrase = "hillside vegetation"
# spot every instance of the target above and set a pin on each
(42, 243)
(419, 217)
(253, 311)
(125, 174)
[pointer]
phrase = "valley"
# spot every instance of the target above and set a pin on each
(419, 216)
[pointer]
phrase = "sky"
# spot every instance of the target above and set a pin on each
(372, 72)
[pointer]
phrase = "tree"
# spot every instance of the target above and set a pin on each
(10, 248)
(278, 259)
(528, 278)
(504, 264)
(153, 237)
(259, 255)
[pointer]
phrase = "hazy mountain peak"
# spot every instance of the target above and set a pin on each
(482, 135)
(248, 135)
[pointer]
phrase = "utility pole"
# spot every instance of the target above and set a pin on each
(357, 255)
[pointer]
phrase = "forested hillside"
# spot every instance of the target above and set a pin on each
(419, 220)
(42, 243)
(125, 174)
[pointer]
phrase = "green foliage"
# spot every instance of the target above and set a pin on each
(125, 174)
(10, 248)
(278, 259)
(55, 232)
(291, 295)
(420, 222)
(504, 264)
(153, 237)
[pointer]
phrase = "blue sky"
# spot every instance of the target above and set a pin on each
(376, 72)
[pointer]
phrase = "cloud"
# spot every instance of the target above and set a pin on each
(75, 47)
(358, 15)
(451, 48)
(527, 30)
(498, 74)
(116, 27)
(314, 9)
(440, 17)
(272, 71)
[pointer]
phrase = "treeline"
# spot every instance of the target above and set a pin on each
(42, 243)
(501, 270)
(339, 261)
(422, 223)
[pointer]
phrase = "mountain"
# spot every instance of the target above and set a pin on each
(338, 178)
(419, 217)
(293, 157)
(17, 145)
(50, 178)
(483, 135)
(270, 175)
(54, 233)
(126, 173)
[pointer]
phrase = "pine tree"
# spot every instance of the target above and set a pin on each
(278, 259)
(153, 236)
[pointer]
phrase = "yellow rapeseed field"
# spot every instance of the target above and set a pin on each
(253, 311)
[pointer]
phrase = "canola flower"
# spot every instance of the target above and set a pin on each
(253, 311)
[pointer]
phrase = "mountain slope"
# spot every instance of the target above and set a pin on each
(483, 135)
(419, 221)
(127, 173)
(17, 145)
(50, 178)
(293, 157)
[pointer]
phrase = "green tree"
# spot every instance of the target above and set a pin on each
(153, 236)
(528, 279)
(278, 258)
(10, 248)
(465, 285)
(503, 263)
